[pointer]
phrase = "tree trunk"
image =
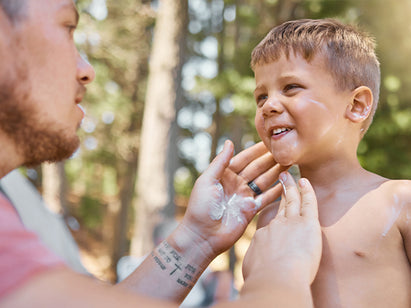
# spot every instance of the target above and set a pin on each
(54, 187)
(157, 157)
(127, 167)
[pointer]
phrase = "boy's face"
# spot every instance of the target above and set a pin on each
(300, 112)
(45, 81)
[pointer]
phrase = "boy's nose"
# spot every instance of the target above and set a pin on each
(85, 72)
(272, 106)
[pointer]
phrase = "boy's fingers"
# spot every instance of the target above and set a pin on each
(242, 159)
(220, 162)
(309, 207)
(292, 195)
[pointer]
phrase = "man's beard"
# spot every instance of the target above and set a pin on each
(35, 138)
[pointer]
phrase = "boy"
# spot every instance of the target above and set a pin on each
(317, 87)
(42, 80)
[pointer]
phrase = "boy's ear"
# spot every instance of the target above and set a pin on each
(361, 104)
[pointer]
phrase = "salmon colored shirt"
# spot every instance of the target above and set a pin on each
(22, 255)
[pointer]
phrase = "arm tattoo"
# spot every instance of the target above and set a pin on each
(173, 263)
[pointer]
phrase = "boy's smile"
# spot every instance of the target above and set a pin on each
(292, 94)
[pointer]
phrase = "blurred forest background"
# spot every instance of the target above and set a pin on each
(173, 83)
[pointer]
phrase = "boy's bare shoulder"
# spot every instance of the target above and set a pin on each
(399, 189)
(400, 192)
(267, 214)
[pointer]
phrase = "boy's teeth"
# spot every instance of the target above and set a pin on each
(279, 130)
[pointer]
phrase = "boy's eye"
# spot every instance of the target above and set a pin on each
(290, 87)
(261, 98)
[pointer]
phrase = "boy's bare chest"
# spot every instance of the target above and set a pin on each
(363, 262)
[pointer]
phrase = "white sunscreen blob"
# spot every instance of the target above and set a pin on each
(317, 103)
(230, 208)
(395, 212)
(217, 208)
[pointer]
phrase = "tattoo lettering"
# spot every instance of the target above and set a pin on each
(157, 260)
(182, 282)
(171, 261)
(188, 277)
(190, 268)
(178, 267)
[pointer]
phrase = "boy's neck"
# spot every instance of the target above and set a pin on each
(338, 187)
(334, 176)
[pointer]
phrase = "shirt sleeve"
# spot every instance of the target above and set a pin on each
(22, 255)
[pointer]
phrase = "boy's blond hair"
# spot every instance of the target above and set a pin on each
(348, 52)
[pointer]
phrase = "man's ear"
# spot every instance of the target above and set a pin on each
(361, 104)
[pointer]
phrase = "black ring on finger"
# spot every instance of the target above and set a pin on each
(254, 188)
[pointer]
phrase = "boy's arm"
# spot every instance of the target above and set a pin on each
(402, 195)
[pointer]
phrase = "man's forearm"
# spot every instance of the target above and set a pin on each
(170, 271)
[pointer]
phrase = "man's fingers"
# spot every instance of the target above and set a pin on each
(220, 162)
(309, 206)
(257, 167)
(263, 172)
(291, 195)
(268, 178)
(269, 196)
(242, 159)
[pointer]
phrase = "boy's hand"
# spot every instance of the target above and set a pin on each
(222, 204)
(290, 245)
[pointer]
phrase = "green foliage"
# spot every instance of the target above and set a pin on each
(90, 212)
(388, 147)
(183, 182)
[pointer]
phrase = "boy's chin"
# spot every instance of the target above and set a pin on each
(284, 160)
(281, 156)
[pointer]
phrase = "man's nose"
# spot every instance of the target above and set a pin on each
(85, 72)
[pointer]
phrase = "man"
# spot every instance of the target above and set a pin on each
(42, 81)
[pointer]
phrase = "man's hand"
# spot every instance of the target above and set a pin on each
(222, 203)
(220, 207)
